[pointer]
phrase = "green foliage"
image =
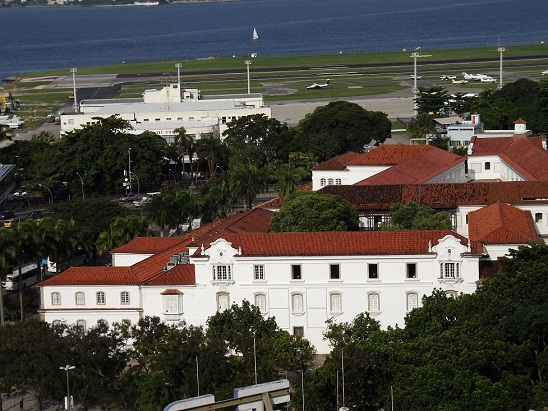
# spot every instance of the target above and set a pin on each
(413, 216)
(339, 127)
(421, 125)
(246, 182)
(430, 100)
(440, 141)
(309, 211)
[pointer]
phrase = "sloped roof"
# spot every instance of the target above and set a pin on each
(489, 145)
(441, 196)
(425, 165)
(501, 223)
(528, 158)
(336, 243)
(146, 245)
(389, 155)
(337, 163)
(92, 276)
(182, 274)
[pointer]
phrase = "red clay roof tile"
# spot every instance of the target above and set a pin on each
(337, 163)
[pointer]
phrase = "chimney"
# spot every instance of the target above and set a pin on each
(520, 128)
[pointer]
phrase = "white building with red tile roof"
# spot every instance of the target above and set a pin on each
(302, 279)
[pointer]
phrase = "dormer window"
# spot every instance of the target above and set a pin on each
(222, 272)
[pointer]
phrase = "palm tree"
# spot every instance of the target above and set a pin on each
(128, 227)
(288, 178)
(67, 237)
(246, 182)
(186, 205)
(422, 125)
(5, 253)
(107, 240)
(184, 144)
(163, 210)
(210, 149)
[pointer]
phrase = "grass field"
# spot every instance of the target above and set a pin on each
(286, 77)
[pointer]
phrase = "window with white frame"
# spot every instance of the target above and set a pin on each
(222, 272)
(223, 301)
(411, 270)
(56, 323)
(124, 297)
(372, 271)
(538, 217)
(322, 182)
(81, 324)
(173, 304)
(298, 331)
(296, 272)
(338, 181)
(373, 302)
(335, 302)
(56, 298)
(100, 298)
(450, 270)
(80, 298)
(297, 303)
(334, 272)
(260, 302)
(258, 272)
(412, 301)
(330, 182)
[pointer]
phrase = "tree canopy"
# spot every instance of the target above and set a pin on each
(413, 216)
(309, 211)
(339, 127)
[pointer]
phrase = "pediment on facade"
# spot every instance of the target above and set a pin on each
(449, 248)
(221, 252)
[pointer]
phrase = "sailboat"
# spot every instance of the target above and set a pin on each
(255, 35)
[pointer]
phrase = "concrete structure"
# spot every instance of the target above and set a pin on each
(164, 110)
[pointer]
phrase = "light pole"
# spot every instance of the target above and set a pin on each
(247, 63)
(67, 368)
(501, 50)
(81, 182)
(73, 71)
(50, 194)
(255, 358)
(416, 54)
(138, 185)
(129, 169)
(179, 65)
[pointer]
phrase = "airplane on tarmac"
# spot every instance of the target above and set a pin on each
(459, 81)
(488, 80)
(474, 76)
(545, 72)
(316, 86)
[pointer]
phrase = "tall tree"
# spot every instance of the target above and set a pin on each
(246, 182)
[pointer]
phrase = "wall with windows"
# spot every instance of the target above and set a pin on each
(350, 176)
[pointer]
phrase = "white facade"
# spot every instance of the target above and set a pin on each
(301, 292)
(162, 111)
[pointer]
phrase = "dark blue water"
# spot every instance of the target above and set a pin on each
(39, 39)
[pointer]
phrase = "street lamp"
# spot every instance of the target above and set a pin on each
(247, 63)
(50, 194)
(501, 50)
(67, 368)
(179, 65)
(82, 182)
(73, 71)
(416, 54)
(129, 169)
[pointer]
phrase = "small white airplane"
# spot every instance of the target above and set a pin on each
(446, 77)
(488, 80)
(315, 86)
(545, 72)
(412, 76)
(474, 76)
(459, 81)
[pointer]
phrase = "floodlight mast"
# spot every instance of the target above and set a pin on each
(501, 50)
(416, 54)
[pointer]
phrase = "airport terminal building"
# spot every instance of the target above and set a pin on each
(164, 110)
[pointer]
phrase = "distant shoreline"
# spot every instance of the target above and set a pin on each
(161, 3)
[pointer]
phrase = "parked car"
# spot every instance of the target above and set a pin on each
(4, 215)
(9, 223)
(129, 197)
(35, 215)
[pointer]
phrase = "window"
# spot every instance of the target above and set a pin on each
(81, 324)
(488, 166)
(56, 298)
(297, 303)
(80, 298)
(373, 271)
(373, 302)
(338, 181)
(298, 331)
(335, 303)
(173, 304)
(412, 301)
(223, 301)
(124, 297)
(334, 272)
(56, 323)
(450, 270)
(322, 182)
(296, 272)
(258, 272)
(100, 297)
(538, 217)
(330, 182)
(222, 272)
(260, 302)
(411, 270)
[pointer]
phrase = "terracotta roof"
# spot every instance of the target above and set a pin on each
(337, 163)
(385, 155)
(528, 158)
(336, 243)
(171, 291)
(489, 145)
(93, 276)
(182, 274)
(423, 166)
(146, 245)
(446, 196)
(501, 223)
